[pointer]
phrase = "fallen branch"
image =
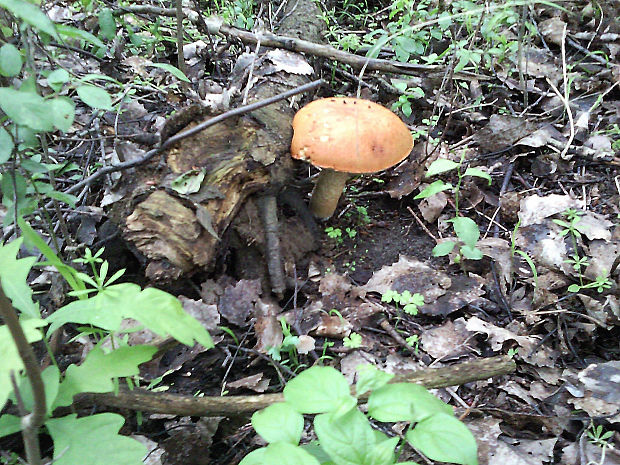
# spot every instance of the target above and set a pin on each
(267, 39)
(175, 404)
(190, 132)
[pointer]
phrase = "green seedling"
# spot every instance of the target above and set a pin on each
(408, 97)
(102, 367)
(601, 438)
(578, 262)
(597, 435)
(289, 346)
(345, 435)
(338, 236)
(352, 341)
(466, 229)
(410, 302)
(414, 341)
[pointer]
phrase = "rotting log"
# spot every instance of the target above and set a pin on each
(180, 234)
(176, 404)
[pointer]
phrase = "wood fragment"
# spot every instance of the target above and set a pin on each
(175, 404)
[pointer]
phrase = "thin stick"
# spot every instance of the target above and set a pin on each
(31, 422)
(190, 132)
(159, 402)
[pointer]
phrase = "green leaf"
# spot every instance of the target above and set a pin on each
(283, 453)
(432, 189)
(400, 85)
(443, 437)
(409, 44)
(75, 33)
(63, 109)
(93, 440)
(189, 182)
(35, 240)
(440, 166)
(30, 14)
(57, 78)
(10, 360)
(95, 97)
(478, 173)
(256, 457)
(10, 60)
(107, 24)
(27, 109)
(404, 402)
(97, 372)
(466, 230)
(317, 390)
(9, 424)
(370, 378)
(176, 72)
(443, 248)
(382, 453)
(51, 382)
(373, 52)
(6, 145)
(463, 61)
(69, 199)
(471, 253)
(14, 274)
(348, 438)
(317, 452)
(159, 311)
(406, 109)
(279, 422)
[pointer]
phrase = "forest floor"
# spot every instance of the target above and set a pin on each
(522, 99)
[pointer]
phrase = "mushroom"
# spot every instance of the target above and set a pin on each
(345, 136)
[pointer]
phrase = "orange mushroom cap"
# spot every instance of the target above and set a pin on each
(349, 134)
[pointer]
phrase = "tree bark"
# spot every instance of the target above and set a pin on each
(179, 234)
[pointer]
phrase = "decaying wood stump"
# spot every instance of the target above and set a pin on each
(180, 234)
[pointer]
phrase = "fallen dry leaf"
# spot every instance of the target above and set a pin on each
(530, 349)
(237, 301)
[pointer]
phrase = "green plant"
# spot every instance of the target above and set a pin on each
(105, 306)
(405, 101)
(353, 341)
(238, 13)
(597, 435)
(350, 265)
(614, 131)
(578, 262)
(345, 434)
(410, 302)
(361, 214)
(524, 255)
(336, 234)
(465, 228)
(289, 346)
(11, 458)
(414, 341)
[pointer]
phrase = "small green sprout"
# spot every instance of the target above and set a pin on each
(353, 341)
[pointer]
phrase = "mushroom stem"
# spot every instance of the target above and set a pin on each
(327, 192)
